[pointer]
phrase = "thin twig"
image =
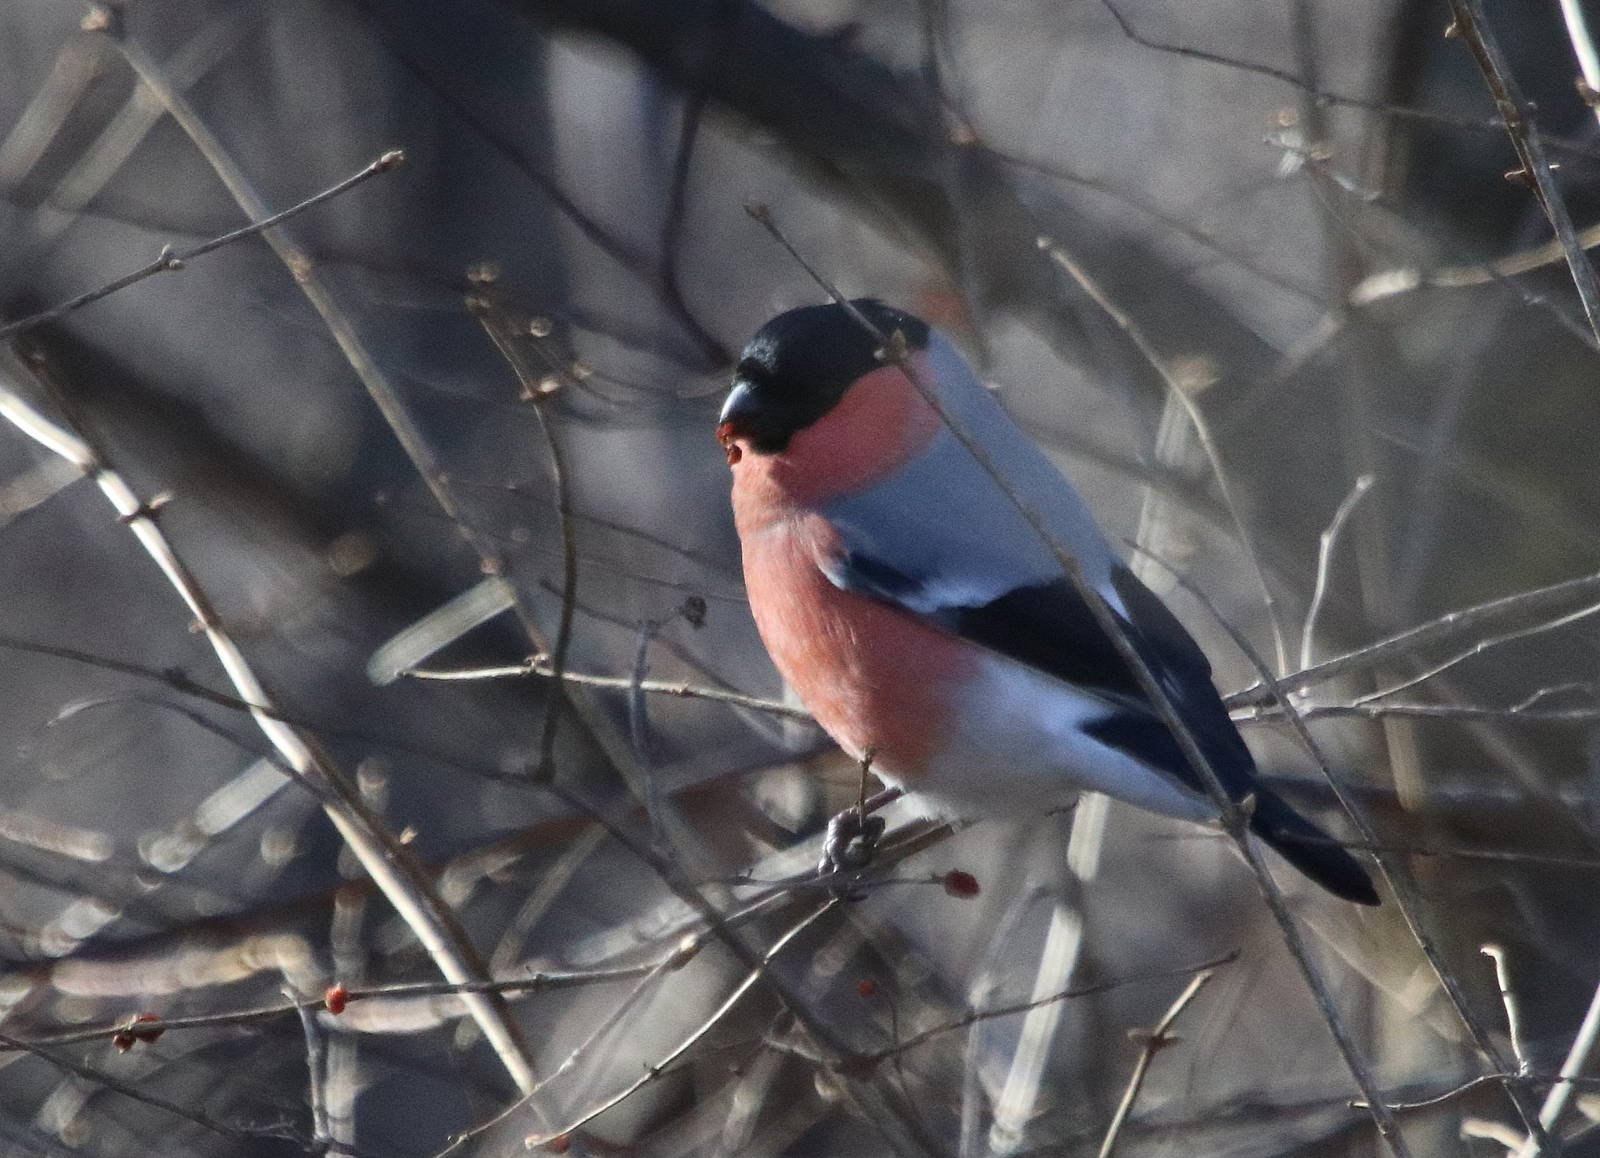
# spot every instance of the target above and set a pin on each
(1235, 820)
(539, 667)
(1525, 139)
(1449, 1095)
(106, 1080)
(1478, 648)
(1154, 1041)
(1502, 978)
(639, 727)
(653, 1072)
(612, 1019)
(320, 1135)
(966, 1021)
(1326, 543)
(1515, 713)
(542, 981)
(1329, 96)
(170, 259)
(1435, 631)
(533, 392)
(1473, 1083)
(1148, 208)
(684, 654)
(1501, 273)
(628, 256)
(1392, 282)
(640, 990)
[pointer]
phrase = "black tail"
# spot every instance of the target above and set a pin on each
(1310, 850)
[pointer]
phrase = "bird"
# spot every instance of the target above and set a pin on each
(924, 621)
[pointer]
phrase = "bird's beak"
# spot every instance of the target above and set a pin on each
(731, 422)
(741, 402)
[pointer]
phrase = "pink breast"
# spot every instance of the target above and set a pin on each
(875, 677)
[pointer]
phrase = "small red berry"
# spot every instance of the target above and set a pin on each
(335, 998)
(867, 987)
(141, 1027)
(960, 884)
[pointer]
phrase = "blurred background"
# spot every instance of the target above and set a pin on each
(1318, 360)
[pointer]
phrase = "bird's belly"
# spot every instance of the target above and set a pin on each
(1016, 745)
(876, 678)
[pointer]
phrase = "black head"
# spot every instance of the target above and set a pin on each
(801, 363)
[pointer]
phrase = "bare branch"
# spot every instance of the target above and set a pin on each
(1514, 713)
(170, 259)
(1447, 627)
(1481, 1080)
(979, 1015)
(315, 1055)
(1389, 283)
(1502, 978)
(540, 667)
(654, 1071)
(101, 1078)
(641, 989)
(1329, 538)
(1154, 1041)
(1477, 648)
(537, 393)
(1525, 139)
(1322, 95)
(541, 981)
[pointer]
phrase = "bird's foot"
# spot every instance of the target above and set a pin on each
(848, 847)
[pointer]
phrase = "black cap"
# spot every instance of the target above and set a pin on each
(800, 364)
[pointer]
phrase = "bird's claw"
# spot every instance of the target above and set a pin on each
(849, 846)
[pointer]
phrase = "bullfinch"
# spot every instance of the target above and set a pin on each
(927, 625)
